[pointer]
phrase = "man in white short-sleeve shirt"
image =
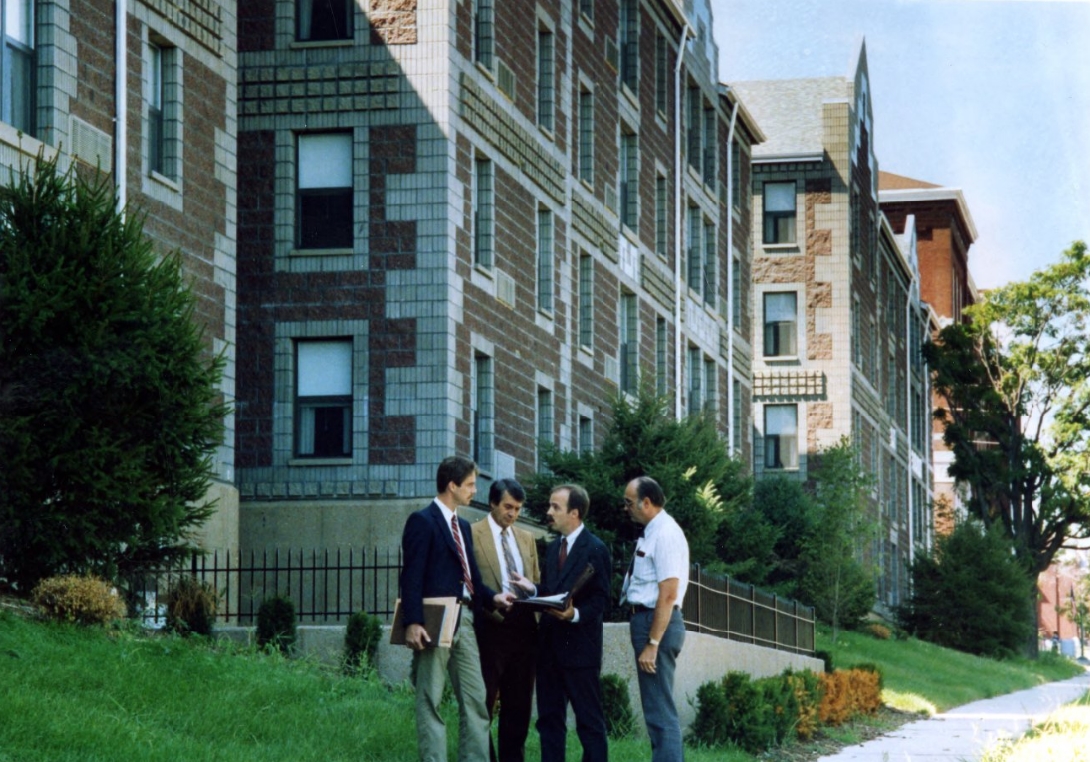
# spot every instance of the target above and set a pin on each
(653, 591)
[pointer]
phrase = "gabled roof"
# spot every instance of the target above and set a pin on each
(744, 117)
(890, 181)
(790, 114)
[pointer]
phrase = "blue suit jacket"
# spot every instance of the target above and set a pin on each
(577, 644)
(431, 567)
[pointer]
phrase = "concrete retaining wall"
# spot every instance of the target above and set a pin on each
(704, 658)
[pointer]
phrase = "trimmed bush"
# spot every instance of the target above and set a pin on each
(879, 631)
(361, 639)
(848, 693)
(867, 666)
(276, 623)
(85, 600)
(620, 722)
(192, 605)
(826, 659)
(808, 692)
(711, 726)
(779, 697)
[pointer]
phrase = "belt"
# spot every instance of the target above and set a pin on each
(638, 609)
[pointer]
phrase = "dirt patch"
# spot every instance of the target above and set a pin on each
(849, 734)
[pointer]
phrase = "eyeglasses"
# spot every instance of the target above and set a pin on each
(628, 503)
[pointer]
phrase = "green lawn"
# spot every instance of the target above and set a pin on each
(73, 694)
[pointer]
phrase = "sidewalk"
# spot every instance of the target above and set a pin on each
(962, 734)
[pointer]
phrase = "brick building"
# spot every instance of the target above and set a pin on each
(145, 91)
(463, 228)
(837, 309)
(944, 231)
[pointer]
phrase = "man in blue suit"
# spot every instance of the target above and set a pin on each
(438, 561)
(569, 664)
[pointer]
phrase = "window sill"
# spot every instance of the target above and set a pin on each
(633, 99)
(782, 359)
(547, 133)
(165, 181)
(321, 252)
(485, 270)
(343, 43)
(781, 248)
(485, 71)
(320, 462)
(588, 185)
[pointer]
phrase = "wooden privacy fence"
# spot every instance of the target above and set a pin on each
(328, 586)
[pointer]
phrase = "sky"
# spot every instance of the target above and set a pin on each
(989, 96)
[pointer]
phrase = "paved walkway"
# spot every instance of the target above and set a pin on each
(962, 734)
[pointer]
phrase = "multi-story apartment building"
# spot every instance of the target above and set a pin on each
(945, 231)
(465, 227)
(836, 306)
(143, 90)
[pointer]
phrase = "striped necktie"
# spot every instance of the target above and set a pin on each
(466, 578)
(508, 557)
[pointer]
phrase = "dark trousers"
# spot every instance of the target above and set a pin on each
(509, 665)
(581, 687)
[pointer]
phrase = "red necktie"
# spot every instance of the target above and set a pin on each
(461, 553)
(563, 553)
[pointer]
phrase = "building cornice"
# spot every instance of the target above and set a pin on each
(916, 195)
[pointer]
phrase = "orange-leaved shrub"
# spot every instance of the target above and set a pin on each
(81, 599)
(848, 693)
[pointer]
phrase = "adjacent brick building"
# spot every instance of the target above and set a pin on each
(464, 228)
(837, 311)
(156, 112)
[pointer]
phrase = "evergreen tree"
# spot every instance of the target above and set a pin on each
(109, 401)
(970, 593)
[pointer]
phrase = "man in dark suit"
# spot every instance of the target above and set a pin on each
(508, 641)
(437, 549)
(569, 664)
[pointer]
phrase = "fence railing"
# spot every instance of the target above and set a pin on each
(328, 586)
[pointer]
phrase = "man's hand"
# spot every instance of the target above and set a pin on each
(416, 637)
(566, 615)
(523, 583)
(648, 656)
(503, 601)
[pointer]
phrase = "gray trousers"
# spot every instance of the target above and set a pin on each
(462, 662)
(657, 690)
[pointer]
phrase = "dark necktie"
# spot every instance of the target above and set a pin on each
(563, 553)
(461, 553)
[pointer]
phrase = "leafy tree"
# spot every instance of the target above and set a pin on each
(970, 593)
(1015, 379)
(1077, 609)
(109, 409)
(785, 505)
(702, 482)
(837, 580)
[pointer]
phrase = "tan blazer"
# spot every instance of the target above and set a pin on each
(488, 556)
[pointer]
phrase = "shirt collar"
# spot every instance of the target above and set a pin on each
(574, 535)
(650, 527)
(497, 530)
(447, 512)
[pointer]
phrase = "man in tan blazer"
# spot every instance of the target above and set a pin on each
(508, 641)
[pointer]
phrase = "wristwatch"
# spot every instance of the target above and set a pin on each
(652, 641)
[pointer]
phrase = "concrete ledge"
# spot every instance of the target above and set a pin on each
(704, 658)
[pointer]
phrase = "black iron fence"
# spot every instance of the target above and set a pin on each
(328, 586)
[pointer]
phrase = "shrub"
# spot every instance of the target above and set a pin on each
(79, 599)
(867, 666)
(711, 726)
(807, 688)
(361, 639)
(826, 659)
(779, 697)
(879, 631)
(276, 623)
(620, 722)
(750, 722)
(192, 605)
(848, 693)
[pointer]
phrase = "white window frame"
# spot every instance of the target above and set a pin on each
(324, 156)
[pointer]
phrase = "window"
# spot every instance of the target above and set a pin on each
(629, 180)
(781, 321)
(662, 74)
(781, 436)
(736, 174)
(546, 80)
(710, 274)
(736, 295)
(696, 400)
(483, 213)
(483, 33)
(586, 300)
(709, 145)
(324, 201)
(585, 143)
(779, 210)
(586, 7)
(544, 421)
(660, 356)
(694, 137)
(323, 398)
(736, 415)
(18, 65)
(156, 101)
(586, 435)
(629, 360)
(661, 212)
(856, 339)
(324, 20)
(545, 260)
(628, 31)
(696, 255)
(483, 412)
(711, 386)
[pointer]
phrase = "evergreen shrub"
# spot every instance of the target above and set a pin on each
(276, 623)
(617, 706)
(192, 605)
(361, 639)
(84, 599)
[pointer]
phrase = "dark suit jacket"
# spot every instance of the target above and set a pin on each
(577, 644)
(431, 567)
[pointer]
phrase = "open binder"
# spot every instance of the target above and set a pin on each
(440, 616)
(560, 601)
